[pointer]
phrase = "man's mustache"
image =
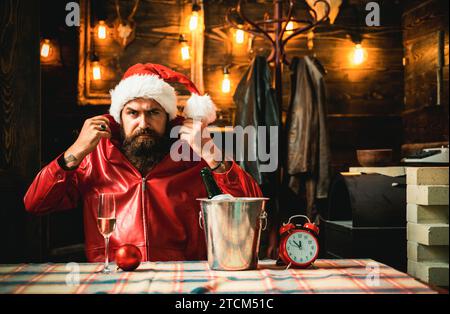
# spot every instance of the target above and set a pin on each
(146, 131)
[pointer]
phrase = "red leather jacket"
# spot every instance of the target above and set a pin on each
(158, 212)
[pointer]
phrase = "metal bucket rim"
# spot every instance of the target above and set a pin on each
(240, 199)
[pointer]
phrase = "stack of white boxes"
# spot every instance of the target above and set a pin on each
(427, 228)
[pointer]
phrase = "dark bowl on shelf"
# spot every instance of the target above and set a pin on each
(374, 157)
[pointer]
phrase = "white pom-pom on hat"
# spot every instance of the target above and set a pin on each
(200, 107)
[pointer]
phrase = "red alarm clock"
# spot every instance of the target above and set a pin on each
(299, 245)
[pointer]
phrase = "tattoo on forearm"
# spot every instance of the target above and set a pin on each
(70, 158)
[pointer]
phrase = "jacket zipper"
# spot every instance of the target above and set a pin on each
(144, 222)
(143, 189)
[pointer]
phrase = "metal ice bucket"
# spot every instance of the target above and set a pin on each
(233, 230)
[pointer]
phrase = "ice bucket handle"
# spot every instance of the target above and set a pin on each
(263, 217)
(200, 219)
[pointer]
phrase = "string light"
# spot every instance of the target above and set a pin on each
(101, 30)
(46, 48)
(226, 83)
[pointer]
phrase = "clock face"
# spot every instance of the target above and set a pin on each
(301, 247)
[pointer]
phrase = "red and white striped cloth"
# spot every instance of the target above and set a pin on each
(326, 276)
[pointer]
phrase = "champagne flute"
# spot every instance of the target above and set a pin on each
(106, 222)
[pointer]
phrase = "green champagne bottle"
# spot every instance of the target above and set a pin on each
(210, 184)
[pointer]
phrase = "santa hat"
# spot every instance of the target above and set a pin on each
(151, 81)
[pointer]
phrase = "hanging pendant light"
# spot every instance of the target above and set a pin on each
(358, 54)
(185, 53)
(226, 83)
(239, 36)
(101, 30)
(96, 68)
(290, 27)
(46, 49)
(194, 18)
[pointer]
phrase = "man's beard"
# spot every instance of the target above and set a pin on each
(145, 152)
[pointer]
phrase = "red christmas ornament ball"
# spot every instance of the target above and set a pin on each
(128, 257)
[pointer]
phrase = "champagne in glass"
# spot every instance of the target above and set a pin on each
(106, 226)
(106, 222)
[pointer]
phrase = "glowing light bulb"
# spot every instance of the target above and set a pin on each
(290, 27)
(358, 55)
(96, 71)
(101, 30)
(193, 21)
(45, 49)
(226, 83)
(185, 55)
(240, 36)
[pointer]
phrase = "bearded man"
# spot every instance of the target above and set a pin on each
(128, 153)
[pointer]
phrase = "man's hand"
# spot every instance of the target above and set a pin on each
(93, 130)
(194, 132)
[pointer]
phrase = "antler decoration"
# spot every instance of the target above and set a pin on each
(276, 26)
(133, 11)
(125, 30)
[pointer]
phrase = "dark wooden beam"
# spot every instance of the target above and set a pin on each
(20, 142)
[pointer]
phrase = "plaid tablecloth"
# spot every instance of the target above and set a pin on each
(326, 276)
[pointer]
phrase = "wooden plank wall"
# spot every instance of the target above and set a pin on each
(423, 120)
(365, 101)
(20, 125)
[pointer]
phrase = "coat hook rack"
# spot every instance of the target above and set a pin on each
(273, 30)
